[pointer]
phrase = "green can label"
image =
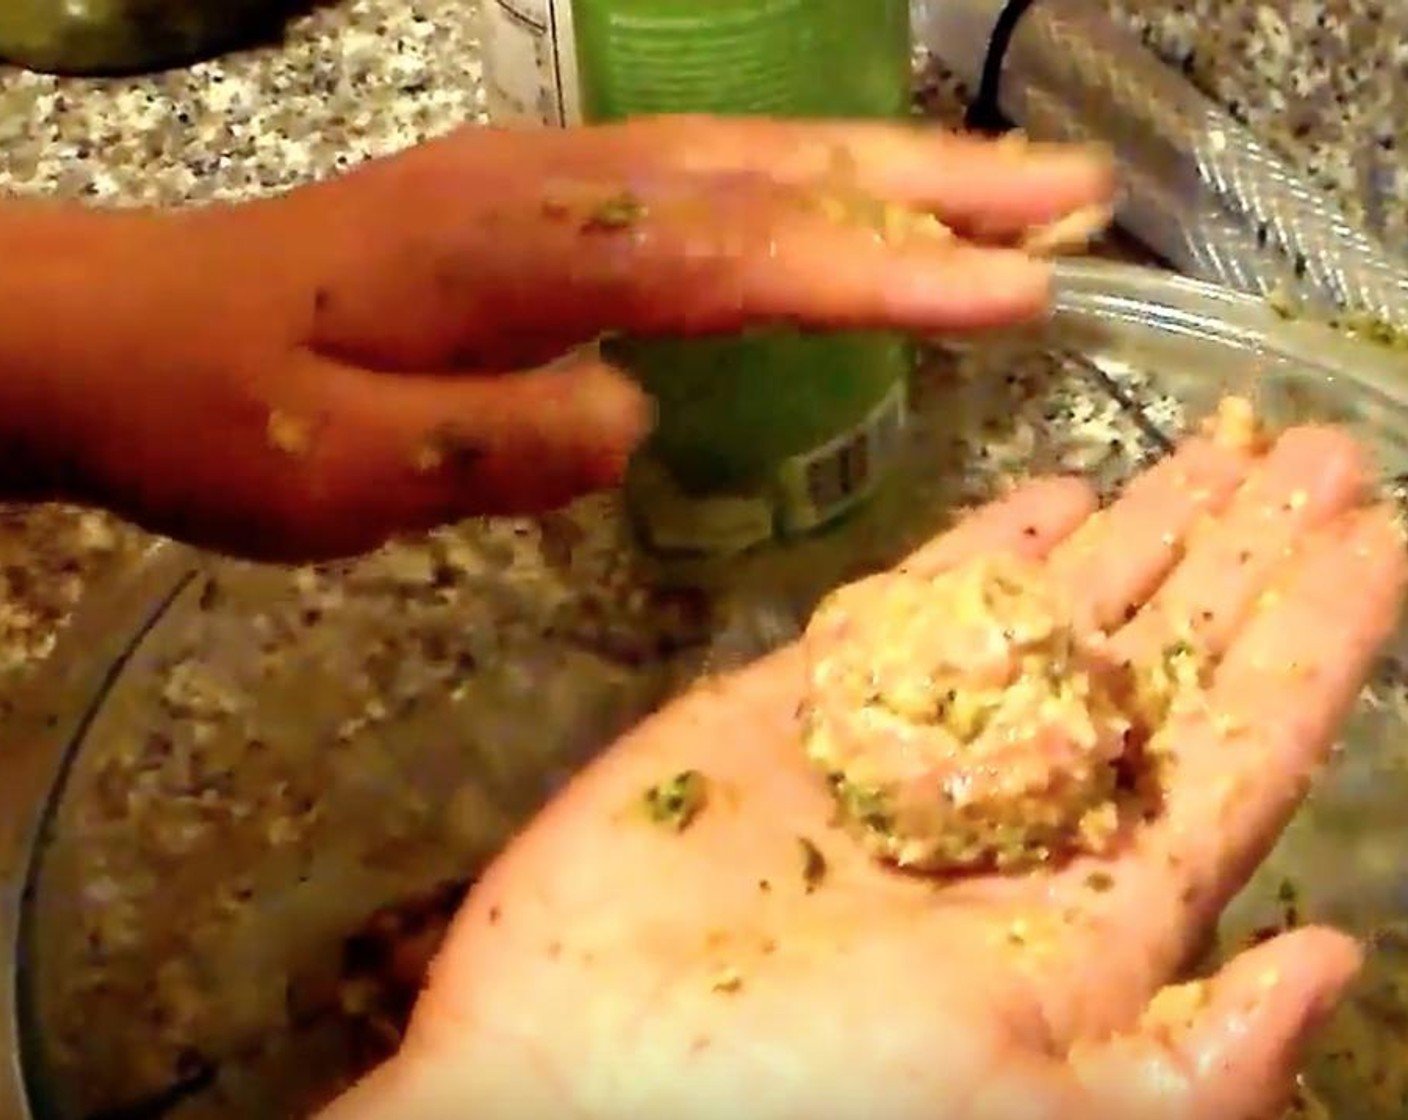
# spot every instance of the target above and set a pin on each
(809, 491)
(816, 488)
(797, 58)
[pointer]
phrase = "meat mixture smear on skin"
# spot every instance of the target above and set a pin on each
(965, 722)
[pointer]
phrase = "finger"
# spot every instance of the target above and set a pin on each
(1240, 763)
(1230, 1046)
(1115, 562)
(969, 181)
(701, 258)
(1310, 476)
(1028, 522)
(1244, 761)
(1237, 767)
(1005, 185)
(386, 454)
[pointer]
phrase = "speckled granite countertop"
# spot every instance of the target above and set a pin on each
(1329, 81)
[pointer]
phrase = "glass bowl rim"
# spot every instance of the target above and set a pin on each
(55, 706)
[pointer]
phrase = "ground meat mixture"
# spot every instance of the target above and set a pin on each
(962, 722)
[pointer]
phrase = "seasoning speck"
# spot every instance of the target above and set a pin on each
(555, 209)
(1100, 881)
(814, 866)
(677, 802)
(446, 447)
(621, 211)
(211, 595)
(427, 458)
(288, 434)
(728, 981)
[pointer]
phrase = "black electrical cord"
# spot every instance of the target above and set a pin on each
(985, 112)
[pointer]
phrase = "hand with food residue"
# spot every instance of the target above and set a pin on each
(692, 930)
(304, 376)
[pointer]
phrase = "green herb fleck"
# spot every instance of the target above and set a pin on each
(814, 866)
(1100, 881)
(677, 802)
(865, 805)
(1368, 328)
(1360, 326)
(618, 212)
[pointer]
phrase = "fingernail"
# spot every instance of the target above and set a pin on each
(616, 456)
(620, 408)
(646, 420)
(617, 416)
(1070, 234)
(1053, 155)
(1091, 151)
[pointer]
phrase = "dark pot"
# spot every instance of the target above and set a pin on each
(113, 37)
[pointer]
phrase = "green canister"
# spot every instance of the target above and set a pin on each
(780, 433)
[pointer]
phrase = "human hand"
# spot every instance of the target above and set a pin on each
(270, 378)
(757, 964)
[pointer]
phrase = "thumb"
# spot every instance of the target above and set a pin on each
(1228, 1048)
(390, 453)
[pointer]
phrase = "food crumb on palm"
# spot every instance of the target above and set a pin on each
(288, 434)
(621, 211)
(676, 803)
(814, 865)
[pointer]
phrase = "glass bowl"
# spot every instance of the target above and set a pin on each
(242, 800)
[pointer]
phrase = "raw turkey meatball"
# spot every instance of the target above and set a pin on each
(962, 721)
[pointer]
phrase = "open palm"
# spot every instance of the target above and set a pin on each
(756, 963)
